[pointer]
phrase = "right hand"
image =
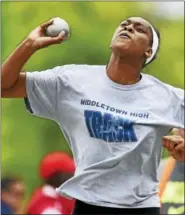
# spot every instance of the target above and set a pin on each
(40, 40)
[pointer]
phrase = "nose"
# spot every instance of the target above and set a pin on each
(129, 28)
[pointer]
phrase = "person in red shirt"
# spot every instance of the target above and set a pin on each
(55, 168)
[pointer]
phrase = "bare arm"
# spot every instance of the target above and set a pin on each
(13, 82)
(14, 63)
(169, 166)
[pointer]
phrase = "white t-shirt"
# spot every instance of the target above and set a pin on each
(114, 131)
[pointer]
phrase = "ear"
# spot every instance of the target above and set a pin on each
(148, 53)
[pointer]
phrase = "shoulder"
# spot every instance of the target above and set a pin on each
(67, 69)
(155, 81)
(160, 85)
(64, 72)
(5, 209)
(81, 68)
(80, 72)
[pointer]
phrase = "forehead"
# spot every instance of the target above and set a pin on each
(139, 20)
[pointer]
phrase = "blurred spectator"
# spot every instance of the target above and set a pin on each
(12, 195)
(55, 168)
(172, 184)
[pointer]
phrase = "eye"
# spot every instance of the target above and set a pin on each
(123, 24)
(140, 30)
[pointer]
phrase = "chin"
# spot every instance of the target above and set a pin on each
(120, 47)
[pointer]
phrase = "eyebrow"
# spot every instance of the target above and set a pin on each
(138, 23)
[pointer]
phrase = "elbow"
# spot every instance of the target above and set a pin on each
(3, 93)
(6, 84)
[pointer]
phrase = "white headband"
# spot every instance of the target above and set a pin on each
(154, 45)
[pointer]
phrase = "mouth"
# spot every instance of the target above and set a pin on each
(124, 35)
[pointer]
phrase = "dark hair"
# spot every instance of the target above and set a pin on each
(57, 179)
(151, 42)
(6, 182)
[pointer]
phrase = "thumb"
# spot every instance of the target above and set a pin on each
(47, 41)
(60, 38)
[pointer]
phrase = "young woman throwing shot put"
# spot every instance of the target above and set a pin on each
(114, 117)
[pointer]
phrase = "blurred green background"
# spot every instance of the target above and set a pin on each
(25, 139)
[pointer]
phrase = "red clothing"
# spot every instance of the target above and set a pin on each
(46, 201)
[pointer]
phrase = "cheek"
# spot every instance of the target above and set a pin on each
(141, 43)
(115, 34)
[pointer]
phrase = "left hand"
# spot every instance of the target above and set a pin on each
(175, 145)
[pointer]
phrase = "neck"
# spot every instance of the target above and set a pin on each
(123, 71)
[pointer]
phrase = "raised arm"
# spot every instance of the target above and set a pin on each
(13, 80)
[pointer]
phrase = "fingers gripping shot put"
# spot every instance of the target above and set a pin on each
(58, 25)
(113, 116)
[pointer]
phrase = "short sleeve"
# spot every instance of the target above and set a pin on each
(43, 89)
(179, 115)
